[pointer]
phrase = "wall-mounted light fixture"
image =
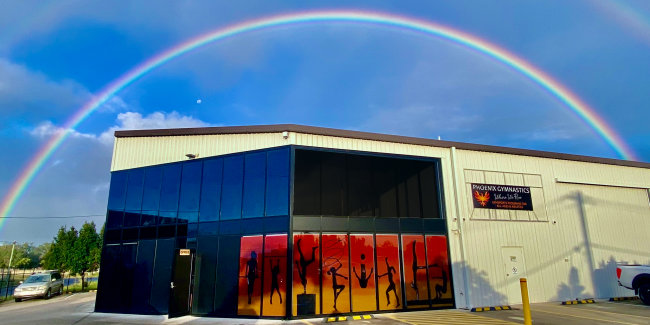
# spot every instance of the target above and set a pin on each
(285, 135)
(191, 155)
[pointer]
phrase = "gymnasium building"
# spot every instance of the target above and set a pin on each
(291, 221)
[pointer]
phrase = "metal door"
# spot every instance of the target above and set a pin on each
(180, 298)
(515, 268)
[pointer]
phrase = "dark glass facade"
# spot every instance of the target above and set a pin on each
(255, 222)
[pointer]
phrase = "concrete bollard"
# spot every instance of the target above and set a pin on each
(524, 300)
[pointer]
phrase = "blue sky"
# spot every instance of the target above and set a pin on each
(55, 55)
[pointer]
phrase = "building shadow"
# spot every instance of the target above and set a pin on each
(480, 288)
(572, 289)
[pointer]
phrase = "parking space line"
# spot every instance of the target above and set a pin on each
(625, 303)
(584, 317)
(460, 318)
(613, 313)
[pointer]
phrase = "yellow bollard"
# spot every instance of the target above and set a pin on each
(524, 300)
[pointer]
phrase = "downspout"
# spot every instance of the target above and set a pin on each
(459, 225)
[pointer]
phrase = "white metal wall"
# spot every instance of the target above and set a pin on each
(586, 216)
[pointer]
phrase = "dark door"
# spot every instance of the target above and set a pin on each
(180, 301)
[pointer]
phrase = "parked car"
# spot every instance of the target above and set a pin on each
(43, 284)
(637, 278)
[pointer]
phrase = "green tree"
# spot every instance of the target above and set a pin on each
(54, 258)
(84, 252)
(25, 256)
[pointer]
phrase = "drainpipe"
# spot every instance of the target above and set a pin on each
(459, 226)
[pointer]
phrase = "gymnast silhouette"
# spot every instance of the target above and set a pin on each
(391, 283)
(275, 286)
(338, 288)
(251, 274)
(415, 267)
(302, 265)
(363, 280)
(440, 289)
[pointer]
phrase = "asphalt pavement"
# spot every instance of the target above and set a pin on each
(77, 309)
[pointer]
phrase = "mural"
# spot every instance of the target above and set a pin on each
(306, 276)
(250, 256)
(274, 275)
(415, 271)
(335, 278)
(362, 259)
(388, 272)
(439, 272)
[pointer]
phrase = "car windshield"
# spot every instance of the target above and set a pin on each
(38, 278)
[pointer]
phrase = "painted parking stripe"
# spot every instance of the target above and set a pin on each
(585, 317)
(444, 318)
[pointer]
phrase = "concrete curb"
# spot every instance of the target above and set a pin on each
(623, 298)
(577, 302)
(491, 308)
(347, 318)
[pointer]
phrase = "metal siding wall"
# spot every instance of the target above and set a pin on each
(145, 151)
(617, 223)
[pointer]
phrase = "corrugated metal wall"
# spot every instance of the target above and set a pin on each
(586, 216)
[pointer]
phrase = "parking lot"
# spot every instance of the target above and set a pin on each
(78, 309)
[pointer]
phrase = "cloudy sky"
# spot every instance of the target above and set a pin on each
(55, 55)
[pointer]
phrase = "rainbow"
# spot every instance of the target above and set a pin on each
(539, 77)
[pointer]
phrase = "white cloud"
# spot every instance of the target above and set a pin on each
(156, 120)
(48, 129)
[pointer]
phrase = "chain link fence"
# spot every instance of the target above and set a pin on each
(11, 278)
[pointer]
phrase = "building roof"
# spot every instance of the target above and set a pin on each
(372, 136)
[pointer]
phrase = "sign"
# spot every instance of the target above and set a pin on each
(184, 252)
(505, 197)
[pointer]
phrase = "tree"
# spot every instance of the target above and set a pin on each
(84, 252)
(54, 258)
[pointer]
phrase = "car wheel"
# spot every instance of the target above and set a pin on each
(18, 299)
(48, 294)
(60, 290)
(644, 293)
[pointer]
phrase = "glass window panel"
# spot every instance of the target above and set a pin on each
(254, 181)
(306, 282)
(277, 183)
(190, 186)
(208, 228)
(307, 183)
(171, 182)
(114, 219)
(151, 193)
(362, 259)
(275, 275)
(112, 236)
(336, 274)
(250, 264)
(415, 271)
(429, 192)
(148, 218)
(413, 191)
(185, 217)
(388, 272)
(211, 190)
(131, 218)
(360, 189)
(192, 229)
(117, 192)
(439, 273)
(134, 190)
(167, 217)
(386, 188)
(181, 230)
(148, 233)
(233, 177)
(130, 234)
(334, 186)
(166, 231)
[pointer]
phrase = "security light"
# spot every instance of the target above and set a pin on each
(190, 155)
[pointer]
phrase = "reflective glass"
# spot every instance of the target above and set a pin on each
(209, 228)
(190, 186)
(185, 217)
(170, 187)
(167, 217)
(429, 197)
(306, 184)
(152, 181)
(277, 183)
(131, 218)
(134, 190)
(211, 190)
(254, 172)
(360, 189)
(114, 219)
(117, 192)
(334, 185)
(192, 229)
(148, 218)
(233, 177)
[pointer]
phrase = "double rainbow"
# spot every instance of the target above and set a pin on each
(536, 75)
